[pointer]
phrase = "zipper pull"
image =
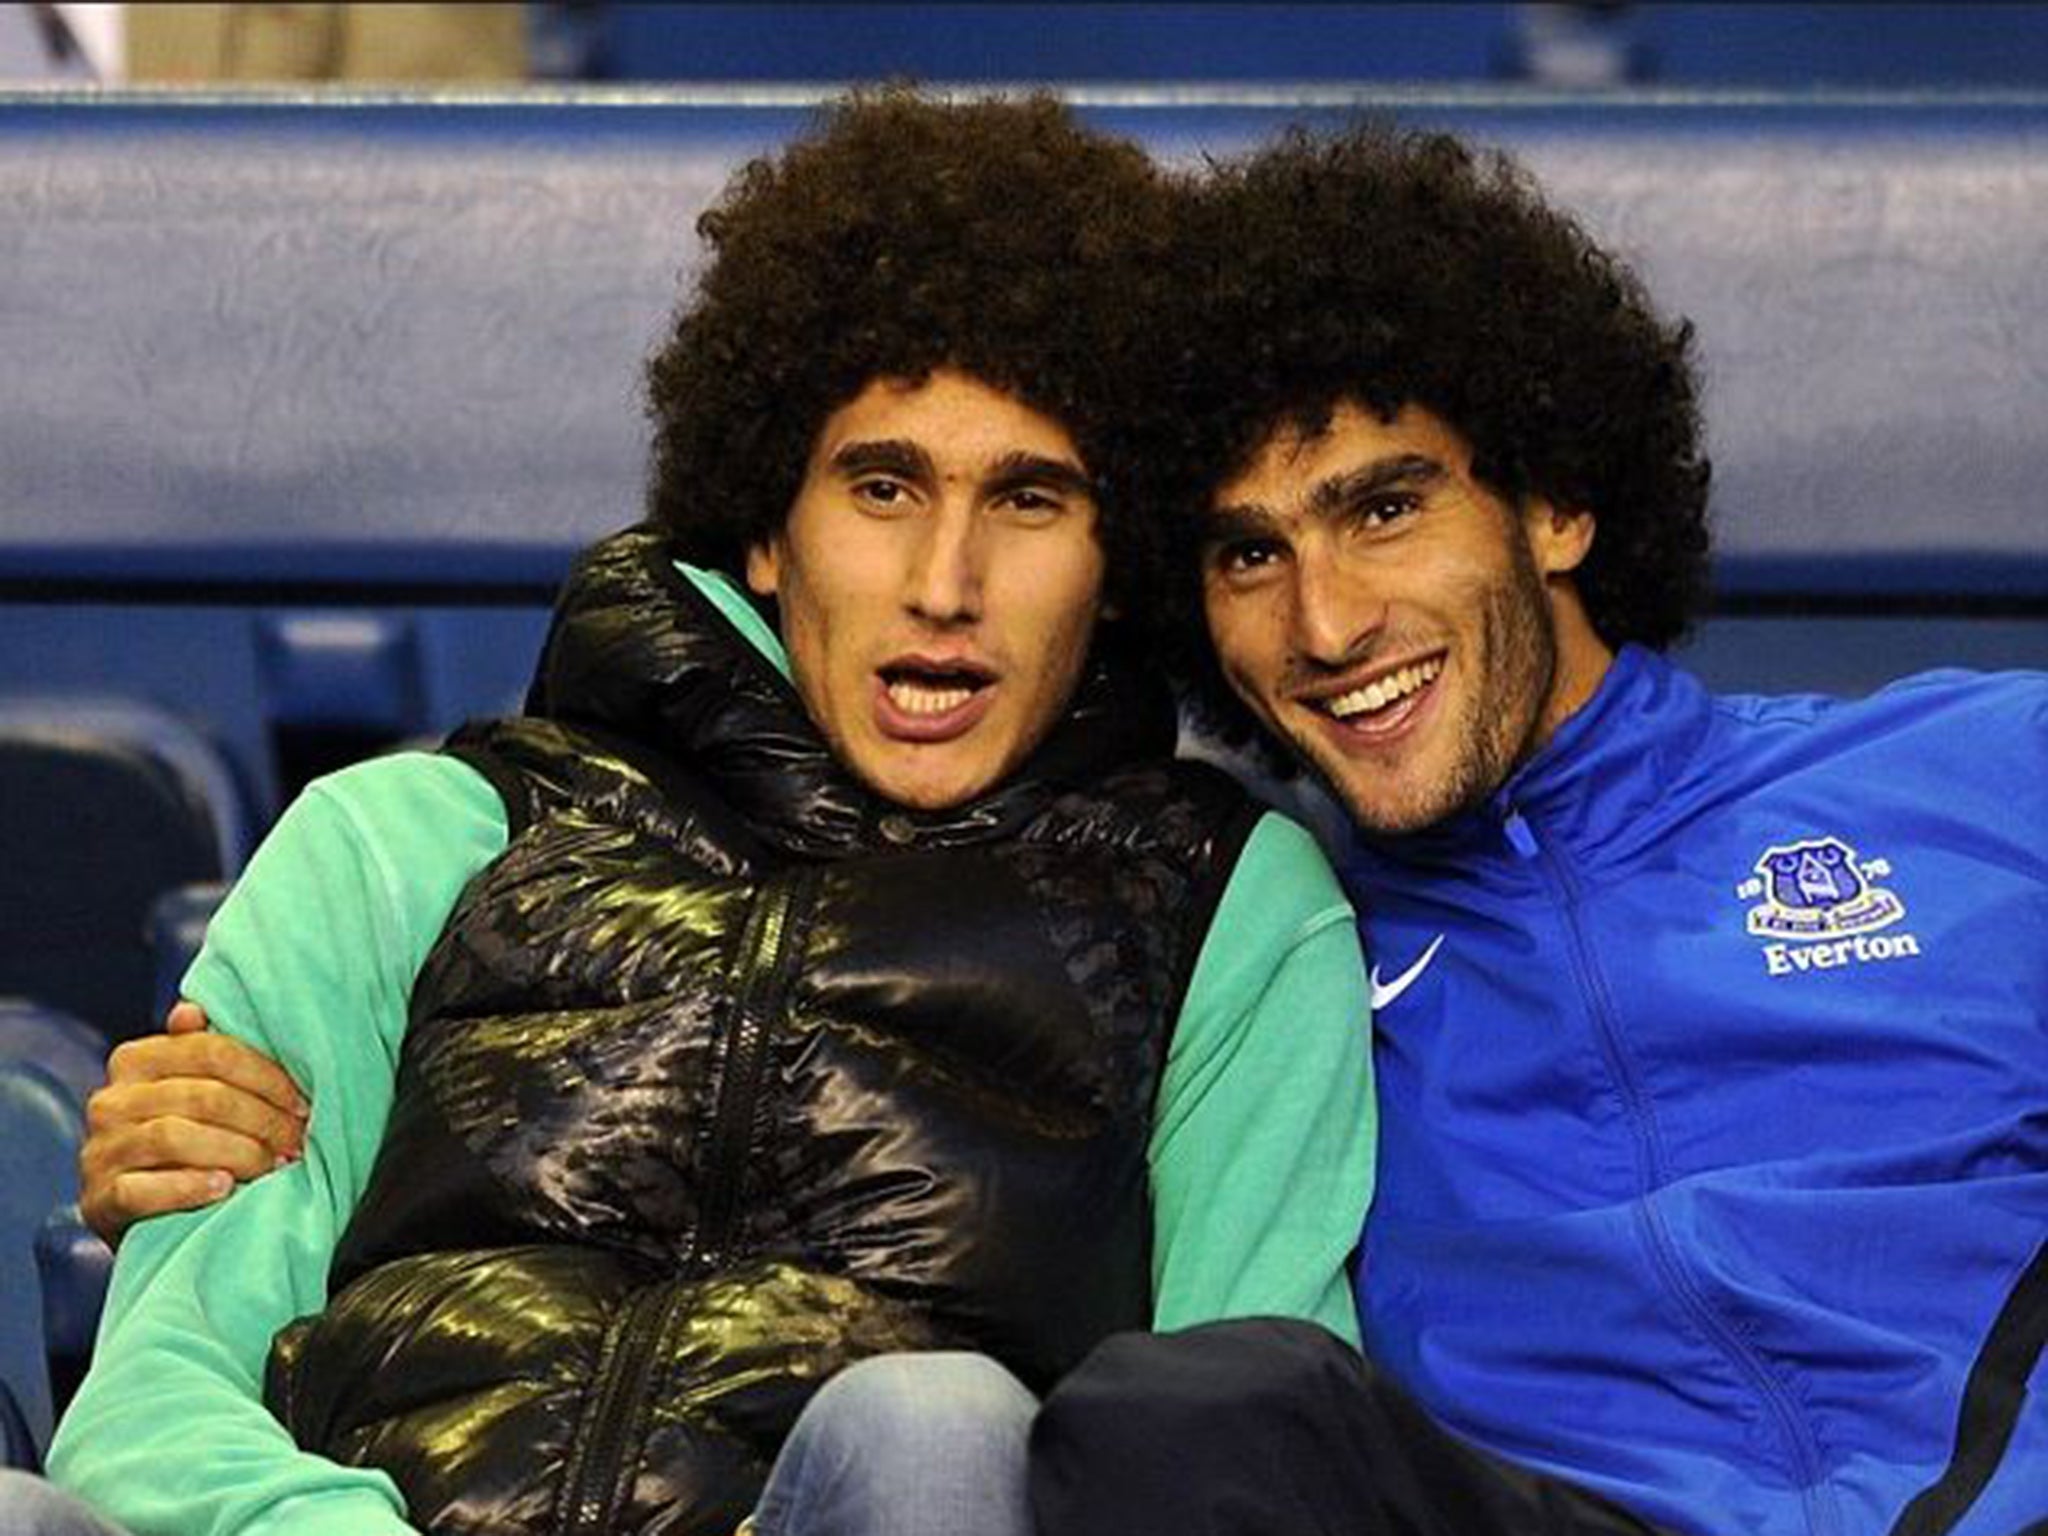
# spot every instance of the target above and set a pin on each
(1521, 834)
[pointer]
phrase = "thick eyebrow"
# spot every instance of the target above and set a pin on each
(1403, 469)
(1021, 468)
(1236, 523)
(901, 456)
(1252, 519)
(896, 455)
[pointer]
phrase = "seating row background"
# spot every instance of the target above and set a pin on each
(324, 395)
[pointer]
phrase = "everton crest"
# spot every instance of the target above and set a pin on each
(1817, 888)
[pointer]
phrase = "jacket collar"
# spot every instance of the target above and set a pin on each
(636, 648)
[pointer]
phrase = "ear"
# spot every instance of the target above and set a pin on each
(1559, 538)
(764, 567)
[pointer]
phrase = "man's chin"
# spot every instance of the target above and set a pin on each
(1381, 804)
(927, 778)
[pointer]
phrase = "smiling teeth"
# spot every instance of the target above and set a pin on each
(1381, 692)
(916, 699)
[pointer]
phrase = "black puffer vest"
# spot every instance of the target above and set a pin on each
(728, 1073)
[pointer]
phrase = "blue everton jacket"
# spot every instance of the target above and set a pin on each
(1713, 1063)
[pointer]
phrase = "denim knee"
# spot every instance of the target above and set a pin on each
(920, 1401)
(902, 1445)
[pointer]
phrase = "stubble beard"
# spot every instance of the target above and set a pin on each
(1497, 729)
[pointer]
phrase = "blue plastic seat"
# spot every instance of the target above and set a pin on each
(41, 1125)
(17, 1445)
(71, 1264)
(175, 931)
(104, 805)
(75, 1268)
(69, 1049)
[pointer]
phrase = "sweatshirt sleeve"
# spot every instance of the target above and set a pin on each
(311, 959)
(1263, 1144)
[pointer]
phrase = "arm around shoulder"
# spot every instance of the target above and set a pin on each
(310, 960)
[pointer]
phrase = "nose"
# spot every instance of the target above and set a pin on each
(1337, 611)
(944, 584)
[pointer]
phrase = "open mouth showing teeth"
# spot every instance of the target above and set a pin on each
(1382, 692)
(917, 691)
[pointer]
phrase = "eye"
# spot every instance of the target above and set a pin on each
(882, 494)
(1240, 561)
(1032, 503)
(1381, 510)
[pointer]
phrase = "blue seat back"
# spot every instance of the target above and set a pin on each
(18, 1447)
(104, 805)
(176, 929)
(40, 1129)
(67, 1048)
(49, 1300)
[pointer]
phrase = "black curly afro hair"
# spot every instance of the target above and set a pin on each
(902, 234)
(1395, 267)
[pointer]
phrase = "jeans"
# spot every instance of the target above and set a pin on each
(31, 1507)
(900, 1445)
(905, 1445)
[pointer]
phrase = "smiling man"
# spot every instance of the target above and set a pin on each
(813, 989)
(1712, 1032)
(1392, 618)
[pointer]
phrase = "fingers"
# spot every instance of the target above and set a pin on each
(127, 1171)
(171, 1139)
(202, 1053)
(184, 1019)
(182, 1116)
(110, 1209)
(168, 1122)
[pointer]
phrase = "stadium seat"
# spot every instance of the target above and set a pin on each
(104, 805)
(175, 931)
(40, 1128)
(74, 1267)
(72, 1264)
(69, 1049)
(17, 1445)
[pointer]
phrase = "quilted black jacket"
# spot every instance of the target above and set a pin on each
(728, 1073)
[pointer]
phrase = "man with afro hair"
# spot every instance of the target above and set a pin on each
(1714, 1158)
(741, 1083)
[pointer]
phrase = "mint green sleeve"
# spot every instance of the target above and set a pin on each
(311, 959)
(1263, 1143)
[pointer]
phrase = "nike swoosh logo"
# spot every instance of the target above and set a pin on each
(1384, 992)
